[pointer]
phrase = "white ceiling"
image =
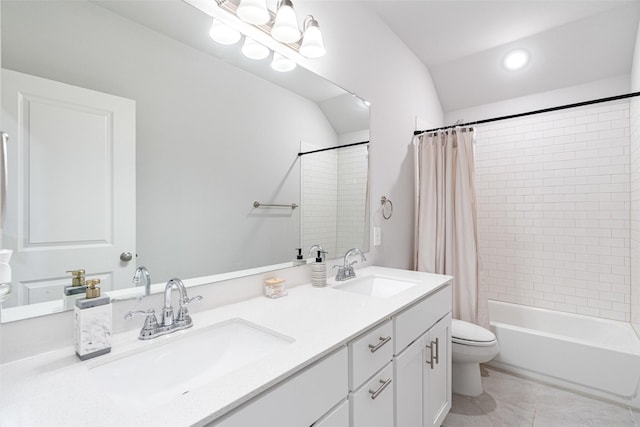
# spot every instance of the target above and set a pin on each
(462, 43)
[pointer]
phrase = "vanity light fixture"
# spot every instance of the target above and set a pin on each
(516, 59)
(312, 43)
(285, 25)
(223, 34)
(253, 11)
(263, 29)
(254, 50)
(282, 63)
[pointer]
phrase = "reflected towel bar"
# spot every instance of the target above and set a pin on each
(264, 205)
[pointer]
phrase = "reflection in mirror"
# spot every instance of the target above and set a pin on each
(334, 199)
(209, 137)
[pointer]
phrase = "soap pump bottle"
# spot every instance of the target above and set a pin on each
(299, 258)
(93, 323)
(77, 289)
(319, 272)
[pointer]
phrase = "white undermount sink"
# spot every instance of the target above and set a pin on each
(180, 363)
(375, 286)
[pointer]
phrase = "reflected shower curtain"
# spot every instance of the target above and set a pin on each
(446, 223)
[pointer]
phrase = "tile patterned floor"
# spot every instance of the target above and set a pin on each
(511, 401)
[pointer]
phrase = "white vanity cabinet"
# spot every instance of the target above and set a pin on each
(297, 401)
(422, 370)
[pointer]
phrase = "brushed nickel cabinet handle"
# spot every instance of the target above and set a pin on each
(383, 341)
(375, 393)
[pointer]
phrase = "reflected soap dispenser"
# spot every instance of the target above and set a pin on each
(93, 323)
(299, 258)
(77, 289)
(319, 272)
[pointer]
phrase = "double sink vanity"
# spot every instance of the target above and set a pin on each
(369, 351)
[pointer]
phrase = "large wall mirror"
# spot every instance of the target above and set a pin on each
(213, 132)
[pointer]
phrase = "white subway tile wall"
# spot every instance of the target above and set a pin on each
(334, 199)
(635, 213)
(353, 166)
(553, 199)
(318, 199)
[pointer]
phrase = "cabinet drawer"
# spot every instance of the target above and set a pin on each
(369, 353)
(412, 322)
(372, 404)
(297, 401)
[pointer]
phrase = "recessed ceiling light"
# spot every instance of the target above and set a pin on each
(516, 59)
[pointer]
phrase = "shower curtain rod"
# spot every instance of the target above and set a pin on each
(332, 148)
(530, 113)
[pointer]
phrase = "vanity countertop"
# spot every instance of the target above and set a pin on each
(55, 388)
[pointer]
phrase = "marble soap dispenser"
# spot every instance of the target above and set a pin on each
(93, 323)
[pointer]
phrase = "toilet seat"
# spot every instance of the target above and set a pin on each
(466, 333)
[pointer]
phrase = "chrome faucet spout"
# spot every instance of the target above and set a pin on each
(142, 276)
(347, 272)
(170, 322)
(350, 253)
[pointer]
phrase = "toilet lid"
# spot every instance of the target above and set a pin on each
(469, 334)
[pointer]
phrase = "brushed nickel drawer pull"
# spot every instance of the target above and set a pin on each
(375, 393)
(437, 344)
(383, 341)
(431, 356)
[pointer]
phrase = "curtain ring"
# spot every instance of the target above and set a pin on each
(384, 202)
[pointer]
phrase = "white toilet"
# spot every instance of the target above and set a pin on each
(470, 345)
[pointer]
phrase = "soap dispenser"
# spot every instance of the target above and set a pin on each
(76, 290)
(319, 272)
(299, 258)
(93, 323)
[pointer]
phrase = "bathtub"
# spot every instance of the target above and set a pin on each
(595, 356)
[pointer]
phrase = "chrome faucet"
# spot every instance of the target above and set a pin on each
(346, 271)
(170, 323)
(142, 275)
(315, 249)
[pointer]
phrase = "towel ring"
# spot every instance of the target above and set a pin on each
(384, 202)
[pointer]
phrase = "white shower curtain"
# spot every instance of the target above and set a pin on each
(446, 223)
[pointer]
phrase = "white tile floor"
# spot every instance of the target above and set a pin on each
(513, 401)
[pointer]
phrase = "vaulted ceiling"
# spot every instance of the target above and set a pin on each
(462, 43)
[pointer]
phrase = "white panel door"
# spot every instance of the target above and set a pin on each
(409, 390)
(71, 194)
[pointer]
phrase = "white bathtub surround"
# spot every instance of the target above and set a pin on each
(553, 210)
(635, 211)
(599, 357)
(446, 223)
(320, 320)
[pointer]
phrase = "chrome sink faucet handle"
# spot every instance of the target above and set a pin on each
(150, 327)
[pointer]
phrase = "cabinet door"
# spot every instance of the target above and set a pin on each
(437, 373)
(372, 404)
(337, 417)
(408, 390)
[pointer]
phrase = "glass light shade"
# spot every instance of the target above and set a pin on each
(312, 44)
(285, 26)
(254, 50)
(281, 63)
(253, 11)
(223, 33)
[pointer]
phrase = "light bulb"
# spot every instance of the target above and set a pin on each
(281, 63)
(254, 50)
(223, 33)
(312, 44)
(253, 11)
(516, 59)
(285, 26)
